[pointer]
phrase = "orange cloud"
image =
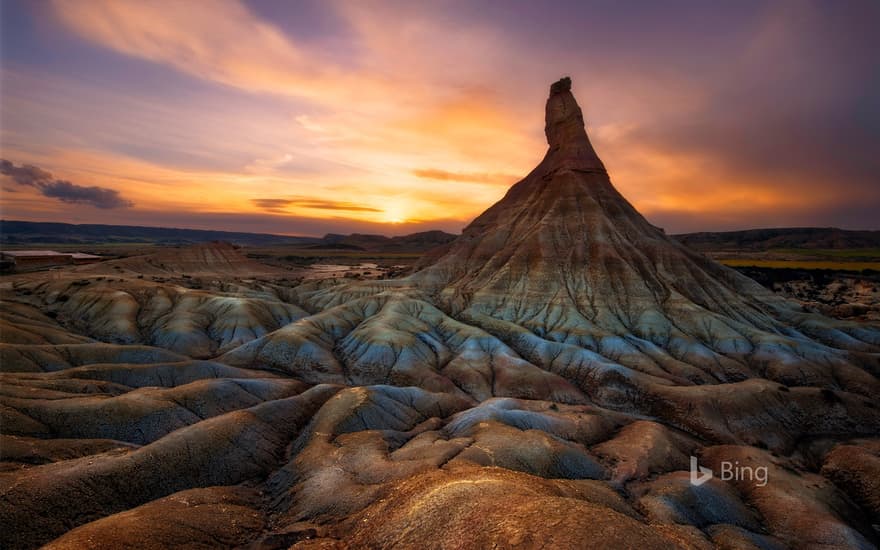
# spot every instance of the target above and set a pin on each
(219, 40)
(476, 177)
(281, 205)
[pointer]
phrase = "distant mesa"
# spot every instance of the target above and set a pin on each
(23, 233)
(334, 246)
(31, 260)
(213, 259)
(787, 237)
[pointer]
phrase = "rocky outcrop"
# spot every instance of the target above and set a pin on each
(215, 259)
(198, 323)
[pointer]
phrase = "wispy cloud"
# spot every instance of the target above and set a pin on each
(223, 41)
(64, 191)
(473, 177)
(99, 197)
(280, 205)
(25, 174)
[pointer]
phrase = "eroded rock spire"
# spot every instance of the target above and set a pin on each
(564, 128)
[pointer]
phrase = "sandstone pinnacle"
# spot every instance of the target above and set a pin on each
(564, 127)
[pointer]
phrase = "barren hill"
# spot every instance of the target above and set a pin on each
(215, 259)
(786, 237)
(415, 242)
(14, 232)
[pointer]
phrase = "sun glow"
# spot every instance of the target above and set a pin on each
(395, 211)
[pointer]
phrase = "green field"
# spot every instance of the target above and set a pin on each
(848, 254)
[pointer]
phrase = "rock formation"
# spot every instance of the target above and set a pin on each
(543, 380)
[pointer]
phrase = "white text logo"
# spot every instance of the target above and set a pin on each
(730, 471)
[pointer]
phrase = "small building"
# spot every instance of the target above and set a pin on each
(33, 260)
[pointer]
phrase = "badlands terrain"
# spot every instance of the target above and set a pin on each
(541, 381)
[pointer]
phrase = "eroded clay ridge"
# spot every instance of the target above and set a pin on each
(542, 381)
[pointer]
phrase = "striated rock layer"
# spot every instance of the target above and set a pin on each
(542, 381)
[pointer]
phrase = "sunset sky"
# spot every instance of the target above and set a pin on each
(304, 118)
